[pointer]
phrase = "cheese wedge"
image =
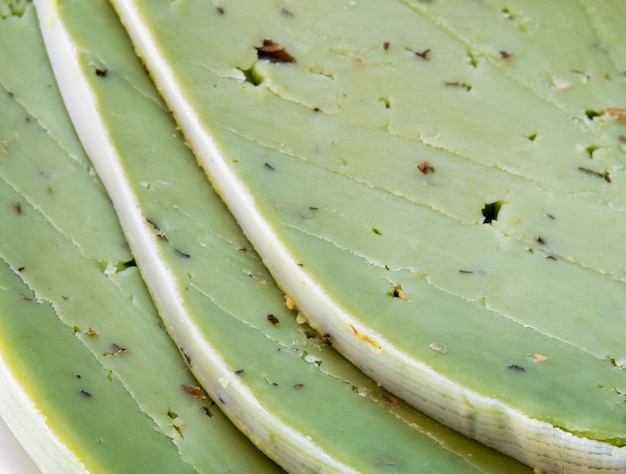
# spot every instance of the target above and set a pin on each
(287, 390)
(89, 380)
(424, 201)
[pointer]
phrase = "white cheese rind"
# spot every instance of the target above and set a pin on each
(29, 426)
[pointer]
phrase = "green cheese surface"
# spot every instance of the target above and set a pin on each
(79, 334)
(234, 329)
(437, 196)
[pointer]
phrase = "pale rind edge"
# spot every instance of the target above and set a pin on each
(536, 443)
(29, 426)
(291, 449)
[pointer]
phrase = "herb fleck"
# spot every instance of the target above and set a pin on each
(437, 347)
(618, 112)
(516, 368)
(116, 350)
(182, 254)
(591, 172)
(195, 391)
(101, 72)
(272, 319)
(425, 167)
(186, 356)
(326, 339)
(274, 52)
(425, 55)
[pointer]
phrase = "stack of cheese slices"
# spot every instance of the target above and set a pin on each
(335, 236)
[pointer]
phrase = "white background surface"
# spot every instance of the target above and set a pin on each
(13, 458)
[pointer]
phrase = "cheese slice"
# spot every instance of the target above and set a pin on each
(300, 402)
(89, 380)
(437, 211)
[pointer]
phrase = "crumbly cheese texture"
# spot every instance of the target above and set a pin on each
(286, 389)
(440, 189)
(89, 379)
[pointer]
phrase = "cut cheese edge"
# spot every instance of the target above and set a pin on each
(286, 390)
(342, 228)
(89, 380)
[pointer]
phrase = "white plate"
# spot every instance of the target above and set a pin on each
(13, 458)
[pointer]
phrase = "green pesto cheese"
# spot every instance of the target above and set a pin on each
(291, 393)
(439, 190)
(89, 379)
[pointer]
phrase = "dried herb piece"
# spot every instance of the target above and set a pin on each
(268, 166)
(464, 85)
(195, 391)
(86, 394)
(101, 72)
(604, 175)
(425, 167)
(516, 368)
(289, 302)
(272, 319)
(298, 385)
(398, 292)
(540, 240)
(505, 54)
(91, 332)
(186, 356)
(326, 339)
(274, 52)
(618, 112)
(391, 399)
(435, 346)
(182, 254)
(425, 55)
(18, 207)
(386, 45)
(117, 350)
(466, 272)
(160, 234)
(25, 297)
(220, 9)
